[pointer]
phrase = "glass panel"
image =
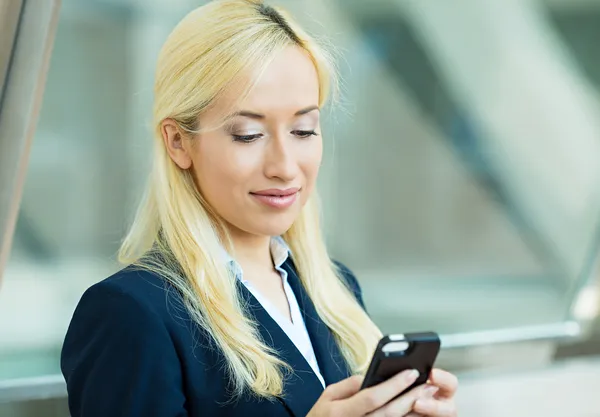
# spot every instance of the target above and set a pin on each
(460, 175)
(467, 171)
(70, 218)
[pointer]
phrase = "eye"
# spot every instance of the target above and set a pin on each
(305, 133)
(246, 138)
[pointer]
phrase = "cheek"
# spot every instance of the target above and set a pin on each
(311, 161)
(222, 170)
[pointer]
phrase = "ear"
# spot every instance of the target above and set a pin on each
(174, 143)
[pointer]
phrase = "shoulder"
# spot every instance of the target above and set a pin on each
(350, 280)
(143, 288)
(346, 274)
(131, 311)
(132, 300)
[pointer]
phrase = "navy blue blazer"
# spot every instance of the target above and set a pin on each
(132, 350)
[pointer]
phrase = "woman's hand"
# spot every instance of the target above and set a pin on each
(440, 403)
(346, 399)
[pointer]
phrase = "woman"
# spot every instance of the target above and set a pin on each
(231, 305)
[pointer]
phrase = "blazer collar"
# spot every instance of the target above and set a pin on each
(331, 361)
(301, 388)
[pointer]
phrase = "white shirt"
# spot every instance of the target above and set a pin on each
(296, 329)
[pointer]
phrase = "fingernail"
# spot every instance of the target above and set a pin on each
(431, 390)
(412, 376)
(423, 405)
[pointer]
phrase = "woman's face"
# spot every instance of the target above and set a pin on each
(259, 169)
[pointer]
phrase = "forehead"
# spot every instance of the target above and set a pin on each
(289, 83)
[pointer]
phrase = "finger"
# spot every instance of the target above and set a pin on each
(375, 397)
(402, 405)
(429, 391)
(435, 408)
(343, 389)
(447, 382)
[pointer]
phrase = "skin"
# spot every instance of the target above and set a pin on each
(272, 140)
(435, 399)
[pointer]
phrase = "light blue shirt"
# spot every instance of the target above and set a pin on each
(295, 329)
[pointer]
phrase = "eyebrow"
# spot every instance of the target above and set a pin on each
(253, 115)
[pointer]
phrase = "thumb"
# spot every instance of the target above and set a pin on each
(344, 389)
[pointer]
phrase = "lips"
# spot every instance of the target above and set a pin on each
(276, 192)
(276, 198)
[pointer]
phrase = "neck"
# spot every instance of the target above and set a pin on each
(252, 252)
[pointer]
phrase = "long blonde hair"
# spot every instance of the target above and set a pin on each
(177, 235)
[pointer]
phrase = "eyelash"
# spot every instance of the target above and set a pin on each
(302, 134)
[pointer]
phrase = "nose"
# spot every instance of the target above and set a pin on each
(280, 159)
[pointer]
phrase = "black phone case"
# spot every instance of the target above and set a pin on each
(420, 355)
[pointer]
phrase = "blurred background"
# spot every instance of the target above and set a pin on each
(460, 183)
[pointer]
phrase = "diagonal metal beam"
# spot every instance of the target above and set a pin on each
(27, 59)
(10, 13)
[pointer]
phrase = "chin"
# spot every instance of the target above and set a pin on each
(273, 226)
(273, 230)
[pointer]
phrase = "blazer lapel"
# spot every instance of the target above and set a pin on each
(301, 388)
(331, 362)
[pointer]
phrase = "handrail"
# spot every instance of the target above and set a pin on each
(53, 386)
(34, 388)
(545, 332)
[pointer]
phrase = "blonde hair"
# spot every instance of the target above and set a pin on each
(177, 235)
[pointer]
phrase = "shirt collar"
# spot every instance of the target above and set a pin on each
(280, 252)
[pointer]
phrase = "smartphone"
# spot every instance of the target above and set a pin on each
(399, 352)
